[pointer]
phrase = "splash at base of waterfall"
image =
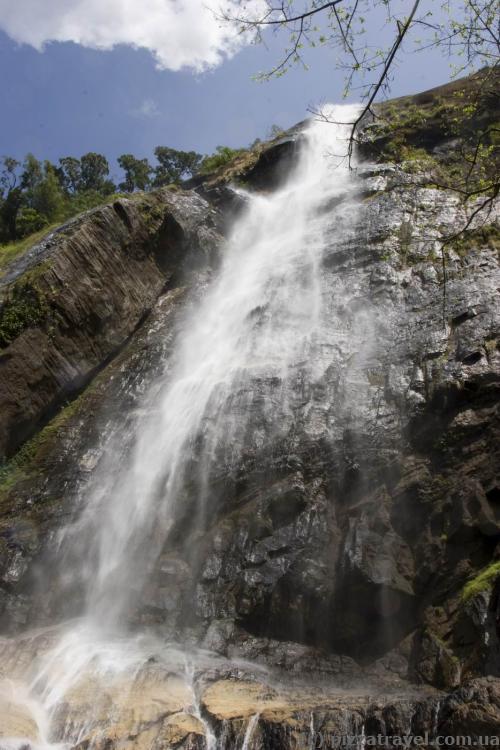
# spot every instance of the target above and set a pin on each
(68, 688)
(75, 685)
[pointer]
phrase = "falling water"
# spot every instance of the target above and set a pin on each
(255, 334)
(249, 732)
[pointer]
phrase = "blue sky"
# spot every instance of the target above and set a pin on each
(69, 99)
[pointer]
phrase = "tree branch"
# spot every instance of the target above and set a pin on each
(402, 31)
(286, 19)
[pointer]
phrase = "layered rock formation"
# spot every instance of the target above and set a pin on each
(364, 546)
(73, 301)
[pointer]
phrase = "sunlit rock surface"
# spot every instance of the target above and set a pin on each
(166, 701)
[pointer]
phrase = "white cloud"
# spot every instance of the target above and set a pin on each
(179, 33)
(147, 108)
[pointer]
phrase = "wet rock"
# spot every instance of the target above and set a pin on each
(473, 709)
(433, 662)
(15, 717)
(264, 167)
(477, 632)
(50, 484)
(274, 164)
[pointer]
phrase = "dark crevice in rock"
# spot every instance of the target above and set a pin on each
(122, 213)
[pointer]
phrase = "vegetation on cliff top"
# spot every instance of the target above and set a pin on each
(37, 197)
(453, 131)
(469, 34)
(12, 250)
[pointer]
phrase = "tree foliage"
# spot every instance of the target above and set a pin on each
(222, 155)
(29, 220)
(8, 175)
(137, 173)
(94, 169)
(70, 174)
(47, 196)
(467, 29)
(34, 194)
(174, 165)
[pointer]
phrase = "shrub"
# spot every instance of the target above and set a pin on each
(29, 220)
(223, 155)
(25, 308)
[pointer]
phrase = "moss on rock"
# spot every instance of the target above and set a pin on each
(482, 583)
(25, 307)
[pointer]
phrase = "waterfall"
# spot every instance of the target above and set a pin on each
(254, 334)
(250, 346)
(251, 726)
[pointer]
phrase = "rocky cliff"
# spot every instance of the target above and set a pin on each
(371, 555)
(72, 302)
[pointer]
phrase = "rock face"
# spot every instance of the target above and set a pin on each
(366, 542)
(228, 706)
(70, 305)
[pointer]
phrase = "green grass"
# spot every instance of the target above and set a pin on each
(223, 156)
(407, 130)
(232, 167)
(483, 582)
(27, 303)
(13, 250)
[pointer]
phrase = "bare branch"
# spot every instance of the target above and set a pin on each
(402, 31)
(281, 21)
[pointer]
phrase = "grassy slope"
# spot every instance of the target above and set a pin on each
(13, 250)
(411, 127)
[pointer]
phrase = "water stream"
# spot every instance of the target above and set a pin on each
(255, 335)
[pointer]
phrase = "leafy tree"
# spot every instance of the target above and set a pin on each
(8, 213)
(10, 198)
(47, 198)
(28, 220)
(108, 187)
(137, 173)
(174, 165)
(41, 190)
(8, 175)
(70, 174)
(275, 131)
(85, 201)
(469, 31)
(32, 173)
(34, 194)
(94, 171)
